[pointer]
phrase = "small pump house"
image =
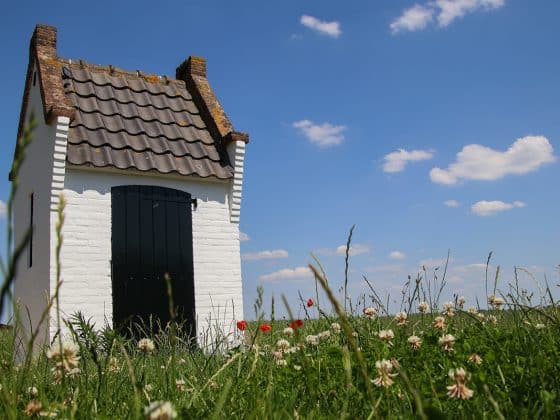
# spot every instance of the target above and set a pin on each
(151, 170)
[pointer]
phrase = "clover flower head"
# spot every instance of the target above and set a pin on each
(387, 336)
(312, 339)
(439, 323)
(423, 307)
(336, 328)
(447, 342)
(415, 342)
(459, 389)
(370, 312)
(475, 358)
(401, 318)
(288, 331)
(146, 345)
(384, 371)
(160, 410)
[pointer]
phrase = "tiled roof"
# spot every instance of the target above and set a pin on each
(129, 120)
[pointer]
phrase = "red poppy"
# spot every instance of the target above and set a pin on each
(265, 327)
(241, 325)
(309, 303)
(296, 324)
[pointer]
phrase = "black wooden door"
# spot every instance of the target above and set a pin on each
(151, 236)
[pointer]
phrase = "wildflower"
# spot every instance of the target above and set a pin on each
(448, 309)
(309, 303)
(492, 319)
(160, 410)
(401, 318)
(415, 342)
(148, 388)
(288, 331)
(355, 334)
(113, 365)
(65, 356)
(33, 407)
(387, 336)
(180, 384)
(439, 323)
(335, 327)
(447, 341)
(539, 326)
(475, 358)
(384, 368)
(241, 325)
(277, 355)
(423, 307)
(283, 345)
(324, 335)
(297, 367)
(296, 324)
(146, 345)
(472, 310)
(459, 389)
(370, 312)
(461, 301)
(293, 349)
(312, 339)
(496, 301)
(480, 316)
(282, 362)
(32, 391)
(265, 328)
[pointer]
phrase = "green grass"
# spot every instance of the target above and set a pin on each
(519, 376)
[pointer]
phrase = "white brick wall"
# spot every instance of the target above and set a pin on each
(86, 250)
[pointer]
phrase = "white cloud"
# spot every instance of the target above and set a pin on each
(418, 17)
(451, 203)
(2, 209)
(331, 29)
(396, 161)
(414, 18)
(397, 255)
(488, 208)
(449, 10)
(243, 236)
(265, 255)
(356, 249)
(288, 274)
(478, 162)
(323, 135)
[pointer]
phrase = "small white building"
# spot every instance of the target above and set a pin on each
(152, 172)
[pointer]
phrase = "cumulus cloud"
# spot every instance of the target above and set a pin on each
(489, 208)
(322, 27)
(322, 135)
(412, 19)
(397, 161)
(397, 255)
(451, 203)
(265, 255)
(243, 236)
(476, 162)
(288, 274)
(418, 17)
(2, 209)
(355, 249)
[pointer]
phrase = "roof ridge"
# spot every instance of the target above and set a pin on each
(117, 71)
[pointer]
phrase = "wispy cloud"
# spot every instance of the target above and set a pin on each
(418, 17)
(451, 203)
(397, 161)
(288, 274)
(397, 255)
(322, 27)
(355, 249)
(2, 209)
(489, 208)
(243, 236)
(476, 162)
(412, 19)
(322, 135)
(265, 255)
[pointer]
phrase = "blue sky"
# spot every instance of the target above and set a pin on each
(429, 125)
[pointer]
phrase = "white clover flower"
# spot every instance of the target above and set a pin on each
(148, 388)
(384, 368)
(312, 339)
(370, 312)
(492, 319)
(387, 336)
(459, 389)
(461, 301)
(336, 328)
(297, 367)
(439, 323)
(449, 309)
(496, 301)
(540, 326)
(475, 358)
(401, 318)
(324, 335)
(64, 356)
(288, 331)
(146, 345)
(33, 391)
(283, 345)
(423, 307)
(160, 410)
(415, 342)
(180, 384)
(282, 362)
(447, 341)
(472, 310)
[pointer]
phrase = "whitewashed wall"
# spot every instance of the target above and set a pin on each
(32, 283)
(86, 250)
